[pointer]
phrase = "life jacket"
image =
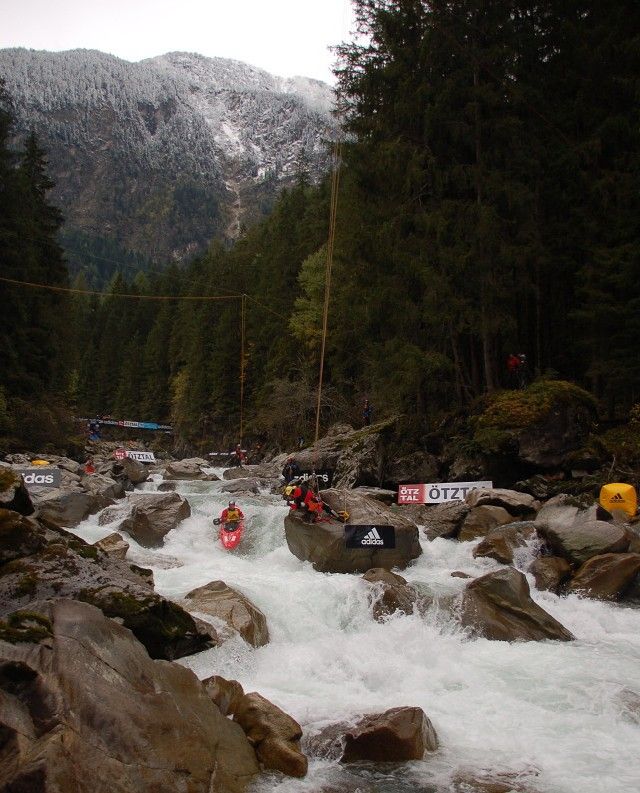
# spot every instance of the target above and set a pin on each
(232, 515)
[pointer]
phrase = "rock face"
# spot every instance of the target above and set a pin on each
(59, 564)
(498, 606)
(153, 516)
(323, 544)
(397, 735)
(273, 733)
(241, 615)
(87, 709)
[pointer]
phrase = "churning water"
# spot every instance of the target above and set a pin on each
(551, 712)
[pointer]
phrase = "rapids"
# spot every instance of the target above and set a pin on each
(549, 711)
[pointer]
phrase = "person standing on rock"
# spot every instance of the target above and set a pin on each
(291, 470)
(239, 455)
(367, 412)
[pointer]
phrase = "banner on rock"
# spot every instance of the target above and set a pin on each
(141, 457)
(370, 537)
(438, 492)
(41, 476)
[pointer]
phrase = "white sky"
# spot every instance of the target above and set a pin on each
(285, 37)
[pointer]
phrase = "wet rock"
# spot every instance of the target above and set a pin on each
(103, 488)
(629, 703)
(250, 485)
(13, 492)
(66, 566)
(323, 544)
(67, 507)
(444, 520)
(153, 516)
(391, 593)
(136, 472)
(606, 577)
(113, 544)
(266, 471)
(498, 606)
(500, 543)
(167, 487)
(490, 781)
(480, 520)
(86, 708)
(219, 600)
(397, 735)
(225, 693)
(550, 573)
(274, 735)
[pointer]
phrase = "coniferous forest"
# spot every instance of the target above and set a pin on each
(488, 202)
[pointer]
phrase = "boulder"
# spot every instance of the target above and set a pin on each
(13, 492)
(397, 735)
(113, 544)
(135, 471)
(105, 489)
(219, 600)
(391, 593)
(606, 577)
(380, 494)
(498, 606)
(550, 573)
(629, 703)
(515, 503)
(443, 520)
(67, 507)
(248, 485)
(225, 693)
(492, 781)
(576, 538)
(189, 468)
(417, 467)
(85, 708)
(274, 735)
(154, 515)
(66, 566)
(266, 471)
(500, 543)
(480, 520)
(323, 544)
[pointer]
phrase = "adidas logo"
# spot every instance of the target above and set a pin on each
(617, 498)
(372, 538)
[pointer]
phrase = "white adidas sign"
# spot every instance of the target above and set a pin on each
(372, 538)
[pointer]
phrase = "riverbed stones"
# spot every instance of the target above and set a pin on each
(606, 577)
(398, 735)
(85, 708)
(323, 544)
(273, 733)
(232, 607)
(153, 516)
(498, 606)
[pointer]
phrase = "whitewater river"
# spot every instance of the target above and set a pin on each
(549, 711)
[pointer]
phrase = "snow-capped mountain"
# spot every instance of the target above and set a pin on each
(163, 155)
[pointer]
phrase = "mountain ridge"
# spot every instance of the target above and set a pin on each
(160, 156)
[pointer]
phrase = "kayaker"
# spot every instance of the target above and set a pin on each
(232, 515)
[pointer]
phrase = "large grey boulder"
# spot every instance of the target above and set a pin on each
(498, 606)
(481, 520)
(135, 471)
(502, 542)
(514, 502)
(577, 536)
(442, 520)
(153, 516)
(189, 468)
(67, 507)
(323, 544)
(232, 607)
(86, 709)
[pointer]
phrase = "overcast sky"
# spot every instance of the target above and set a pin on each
(285, 37)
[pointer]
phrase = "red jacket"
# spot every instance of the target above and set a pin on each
(224, 516)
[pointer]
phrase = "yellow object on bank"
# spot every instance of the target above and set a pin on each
(618, 495)
(39, 462)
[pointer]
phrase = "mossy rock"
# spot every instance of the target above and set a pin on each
(25, 626)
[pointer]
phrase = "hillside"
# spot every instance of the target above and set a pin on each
(159, 157)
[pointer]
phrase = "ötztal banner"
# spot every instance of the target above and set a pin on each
(141, 457)
(439, 492)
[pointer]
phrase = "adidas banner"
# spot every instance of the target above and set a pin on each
(324, 478)
(370, 536)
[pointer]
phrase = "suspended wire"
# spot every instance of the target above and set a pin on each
(243, 309)
(333, 211)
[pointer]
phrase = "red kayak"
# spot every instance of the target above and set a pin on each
(231, 534)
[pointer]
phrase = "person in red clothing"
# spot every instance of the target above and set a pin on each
(89, 467)
(513, 368)
(307, 501)
(240, 455)
(231, 515)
